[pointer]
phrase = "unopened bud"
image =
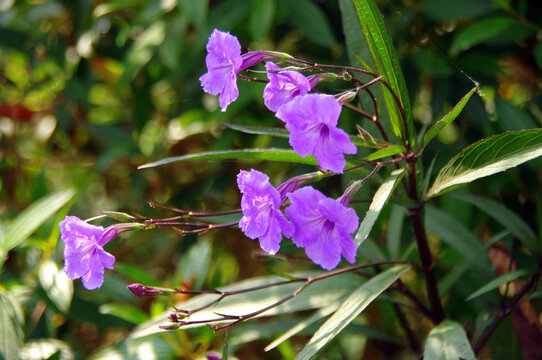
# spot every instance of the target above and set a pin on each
(347, 97)
(142, 290)
(327, 76)
(120, 216)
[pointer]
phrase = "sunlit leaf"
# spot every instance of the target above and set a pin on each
(448, 341)
(487, 157)
(350, 309)
(495, 283)
(271, 154)
(385, 58)
(56, 284)
(45, 349)
(447, 119)
(385, 152)
(32, 217)
(259, 130)
(379, 200)
(11, 327)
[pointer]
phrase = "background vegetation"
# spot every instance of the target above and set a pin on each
(89, 90)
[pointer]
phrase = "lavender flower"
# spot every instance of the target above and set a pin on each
(262, 217)
(84, 255)
(322, 226)
(312, 122)
(284, 86)
(224, 62)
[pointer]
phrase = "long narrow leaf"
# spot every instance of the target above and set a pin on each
(487, 157)
(32, 217)
(447, 119)
(495, 283)
(385, 58)
(284, 155)
(379, 200)
(507, 218)
(352, 307)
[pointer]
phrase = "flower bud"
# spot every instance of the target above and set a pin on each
(347, 97)
(142, 290)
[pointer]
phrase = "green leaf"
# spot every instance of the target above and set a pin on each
(385, 58)
(259, 130)
(487, 157)
(448, 341)
(11, 327)
(136, 274)
(350, 309)
(196, 11)
(507, 218)
(272, 154)
(379, 200)
(480, 31)
(459, 238)
(194, 264)
(261, 18)
(447, 119)
(511, 117)
(124, 311)
(456, 9)
(301, 325)
(495, 283)
(395, 229)
(56, 284)
(32, 217)
(311, 21)
(385, 152)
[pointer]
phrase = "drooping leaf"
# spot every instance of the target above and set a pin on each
(379, 200)
(459, 238)
(505, 217)
(11, 327)
(32, 217)
(447, 119)
(352, 307)
(480, 31)
(56, 284)
(448, 341)
(271, 154)
(487, 157)
(387, 64)
(495, 283)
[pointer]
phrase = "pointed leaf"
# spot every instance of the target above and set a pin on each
(259, 130)
(487, 157)
(385, 58)
(379, 200)
(448, 341)
(284, 155)
(480, 31)
(387, 151)
(32, 217)
(350, 309)
(495, 283)
(507, 218)
(447, 119)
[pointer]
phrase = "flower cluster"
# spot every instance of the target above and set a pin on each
(320, 225)
(311, 118)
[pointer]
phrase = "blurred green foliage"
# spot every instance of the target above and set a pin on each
(89, 90)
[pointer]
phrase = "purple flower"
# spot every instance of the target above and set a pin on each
(322, 226)
(284, 86)
(262, 217)
(224, 62)
(312, 122)
(84, 256)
